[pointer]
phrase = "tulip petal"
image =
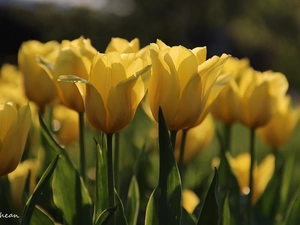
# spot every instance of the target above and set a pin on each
(200, 53)
(110, 69)
(121, 104)
(94, 107)
(182, 62)
(164, 89)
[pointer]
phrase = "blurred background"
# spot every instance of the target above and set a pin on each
(267, 32)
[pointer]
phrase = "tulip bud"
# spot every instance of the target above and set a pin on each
(14, 127)
(117, 84)
(39, 87)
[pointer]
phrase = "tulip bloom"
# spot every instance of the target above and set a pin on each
(197, 139)
(184, 84)
(225, 104)
(123, 46)
(75, 58)
(262, 174)
(257, 95)
(18, 178)
(39, 87)
(65, 124)
(117, 83)
(277, 132)
(189, 200)
(11, 85)
(14, 127)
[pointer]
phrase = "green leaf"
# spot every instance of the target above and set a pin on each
(133, 202)
(105, 216)
(228, 185)
(32, 201)
(101, 197)
(210, 212)
(120, 212)
(69, 192)
(287, 178)
(39, 217)
(187, 219)
(226, 212)
(293, 211)
(164, 206)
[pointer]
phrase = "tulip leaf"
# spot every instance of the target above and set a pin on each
(226, 212)
(133, 202)
(293, 211)
(289, 166)
(39, 217)
(187, 219)
(164, 206)
(120, 212)
(105, 216)
(71, 79)
(228, 184)
(32, 201)
(69, 192)
(210, 213)
(101, 195)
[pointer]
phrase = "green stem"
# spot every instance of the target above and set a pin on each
(116, 159)
(277, 160)
(173, 138)
(252, 162)
(227, 128)
(81, 146)
(110, 171)
(181, 155)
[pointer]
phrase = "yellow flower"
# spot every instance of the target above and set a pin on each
(183, 84)
(17, 180)
(256, 95)
(197, 139)
(11, 85)
(189, 200)
(123, 46)
(279, 129)
(14, 127)
(65, 124)
(75, 58)
(262, 173)
(224, 106)
(39, 87)
(117, 84)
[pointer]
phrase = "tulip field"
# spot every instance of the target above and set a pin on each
(153, 135)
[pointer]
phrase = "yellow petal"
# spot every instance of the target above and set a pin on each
(95, 109)
(200, 53)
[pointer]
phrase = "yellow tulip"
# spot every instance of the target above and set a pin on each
(65, 124)
(189, 200)
(123, 46)
(17, 180)
(197, 139)
(39, 87)
(75, 58)
(184, 84)
(11, 85)
(256, 95)
(262, 173)
(224, 106)
(117, 83)
(14, 127)
(279, 129)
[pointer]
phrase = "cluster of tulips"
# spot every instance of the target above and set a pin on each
(69, 93)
